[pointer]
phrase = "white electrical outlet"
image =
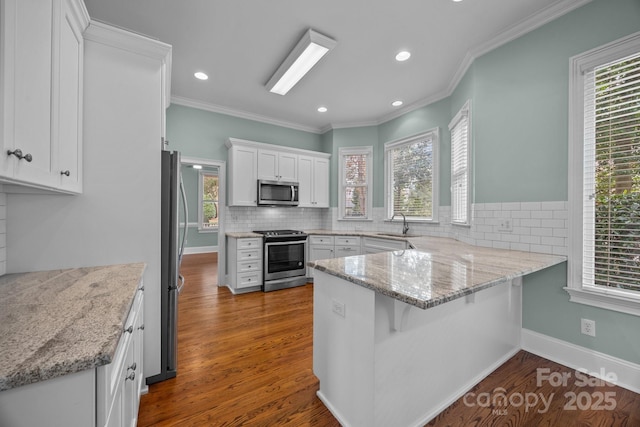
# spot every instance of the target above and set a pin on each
(505, 224)
(588, 327)
(338, 307)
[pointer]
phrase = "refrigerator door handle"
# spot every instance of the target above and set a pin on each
(181, 278)
(186, 220)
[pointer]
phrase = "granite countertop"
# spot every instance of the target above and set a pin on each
(437, 271)
(58, 322)
(242, 234)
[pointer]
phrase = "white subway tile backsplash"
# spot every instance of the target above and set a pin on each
(537, 226)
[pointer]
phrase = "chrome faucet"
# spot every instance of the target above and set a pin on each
(405, 225)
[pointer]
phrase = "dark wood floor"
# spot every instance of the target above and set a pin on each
(246, 360)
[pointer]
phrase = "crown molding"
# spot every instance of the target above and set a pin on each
(511, 33)
(188, 102)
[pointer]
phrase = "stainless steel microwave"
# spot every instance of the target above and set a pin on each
(277, 193)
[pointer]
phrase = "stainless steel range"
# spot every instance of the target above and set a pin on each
(284, 259)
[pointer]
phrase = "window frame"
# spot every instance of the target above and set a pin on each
(465, 112)
(434, 134)
(201, 175)
(624, 301)
(349, 151)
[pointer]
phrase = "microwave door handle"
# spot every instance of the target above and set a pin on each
(293, 193)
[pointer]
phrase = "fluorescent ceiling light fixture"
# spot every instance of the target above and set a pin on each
(197, 166)
(200, 75)
(403, 56)
(397, 103)
(309, 50)
(322, 109)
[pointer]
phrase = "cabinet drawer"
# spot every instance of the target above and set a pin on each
(249, 279)
(249, 243)
(249, 255)
(245, 266)
(343, 251)
(347, 241)
(321, 240)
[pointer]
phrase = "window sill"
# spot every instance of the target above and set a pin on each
(355, 219)
(208, 230)
(414, 221)
(610, 299)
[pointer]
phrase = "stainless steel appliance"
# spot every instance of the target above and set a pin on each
(284, 259)
(173, 240)
(277, 193)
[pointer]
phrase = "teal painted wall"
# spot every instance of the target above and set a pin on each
(199, 133)
(520, 129)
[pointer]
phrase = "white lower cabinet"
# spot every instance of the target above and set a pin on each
(325, 247)
(244, 258)
(107, 396)
(346, 246)
(119, 383)
(373, 245)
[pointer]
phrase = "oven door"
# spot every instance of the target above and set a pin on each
(284, 259)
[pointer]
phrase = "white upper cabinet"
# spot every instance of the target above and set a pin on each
(41, 84)
(243, 184)
(250, 161)
(277, 166)
(313, 176)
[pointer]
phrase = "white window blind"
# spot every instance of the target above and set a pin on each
(412, 175)
(611, 175)
(460, 150)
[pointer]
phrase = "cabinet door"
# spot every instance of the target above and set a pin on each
(288, 167)
(243, 184)
(321, 183)
(305, 179)
(268, 165)
(27, 38)
(67, 117)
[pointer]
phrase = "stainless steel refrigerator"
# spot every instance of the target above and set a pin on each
(173, 240)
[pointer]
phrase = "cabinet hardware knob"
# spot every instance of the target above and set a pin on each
(129, 329)
(131, 376)
(141, 327)
(17, 152)
(133, 367)
(65, 173)
(142, 288)
(28, 157)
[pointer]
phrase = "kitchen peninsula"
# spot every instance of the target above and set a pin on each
(398, 336)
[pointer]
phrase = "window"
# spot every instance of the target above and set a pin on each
(355, 183)
(460, 128)
(604, 177)
(411, 176)
(208, 201)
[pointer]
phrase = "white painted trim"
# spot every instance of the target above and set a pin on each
(281, 148)
(577, 357)
(200, 250)
(186, 102)
(610, 299)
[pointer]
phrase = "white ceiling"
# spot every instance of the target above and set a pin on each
(240, 43)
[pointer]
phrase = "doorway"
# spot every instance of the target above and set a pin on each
(204, 182)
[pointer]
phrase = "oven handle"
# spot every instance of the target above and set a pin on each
(289, 242)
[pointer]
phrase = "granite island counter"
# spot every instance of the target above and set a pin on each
(398, 336)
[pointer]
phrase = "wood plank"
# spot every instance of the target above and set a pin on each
(247, 360)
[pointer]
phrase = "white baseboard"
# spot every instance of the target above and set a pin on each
(200, 250)
(581, 358)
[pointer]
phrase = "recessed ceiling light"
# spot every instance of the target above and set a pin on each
(403, 56)
(322, 109)
(397, 103)
(200, 75)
